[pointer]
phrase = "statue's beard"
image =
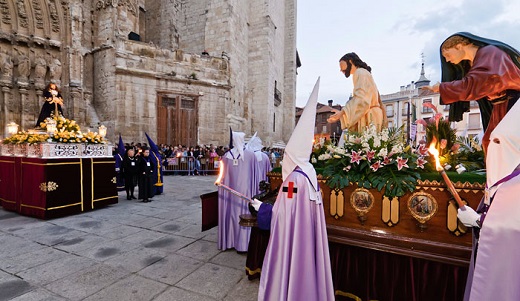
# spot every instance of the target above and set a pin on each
(347, 71)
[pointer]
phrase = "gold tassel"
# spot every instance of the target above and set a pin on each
(159, 183)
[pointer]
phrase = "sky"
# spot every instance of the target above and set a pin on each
(392, 37)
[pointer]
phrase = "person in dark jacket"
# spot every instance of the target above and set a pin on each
(130, 171)
(146, 168)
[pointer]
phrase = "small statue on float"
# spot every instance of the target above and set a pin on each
(53, 103)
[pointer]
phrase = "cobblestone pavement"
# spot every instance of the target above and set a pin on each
(127, 251)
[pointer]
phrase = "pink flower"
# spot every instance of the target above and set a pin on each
(437, 117)
(444, 143)
(420, 162)
(387, 160)
(422, 150)
(376, 166)
(355, 158)
(430, 105)
(455, 148)
(370, 155)
(421, 122)
(401, 163)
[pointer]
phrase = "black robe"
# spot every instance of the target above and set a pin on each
(48, 108)
(130, 171)
(146, 188)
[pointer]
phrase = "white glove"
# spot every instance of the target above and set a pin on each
(256, 204)
(468, 216)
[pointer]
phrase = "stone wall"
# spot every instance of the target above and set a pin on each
(143, 71)
(192, 24)
(105, 78)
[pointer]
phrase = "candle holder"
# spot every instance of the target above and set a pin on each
(102, 131)
(51, 126)
(12, 128)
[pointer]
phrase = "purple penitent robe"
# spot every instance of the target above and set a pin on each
(297, 261)
(495, 274)
(242, 178)
(264, 166)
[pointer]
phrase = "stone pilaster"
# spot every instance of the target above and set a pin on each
(6, 96)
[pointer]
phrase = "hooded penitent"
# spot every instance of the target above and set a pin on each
(157, 173)
(492, 276)
(236, 145)
(297, 262)
(240, 173)
(263, 163)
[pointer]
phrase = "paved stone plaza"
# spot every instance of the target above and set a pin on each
(128, 251)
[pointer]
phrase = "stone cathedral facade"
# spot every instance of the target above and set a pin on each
(183, 71)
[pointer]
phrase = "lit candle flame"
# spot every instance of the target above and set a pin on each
(435, 152)
(220, 173)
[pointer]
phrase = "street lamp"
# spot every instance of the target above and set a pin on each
(408, 121)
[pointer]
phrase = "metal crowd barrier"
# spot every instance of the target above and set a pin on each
(188, 165)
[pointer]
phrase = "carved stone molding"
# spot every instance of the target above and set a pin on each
(38, 14)
(6, 15)
(55, 19)
(22, 13)
(131, 5)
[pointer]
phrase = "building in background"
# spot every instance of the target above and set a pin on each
(406, 106)
(322, 128)
(182, 71)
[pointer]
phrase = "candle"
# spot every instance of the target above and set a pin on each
(445, 177)
(225, 187)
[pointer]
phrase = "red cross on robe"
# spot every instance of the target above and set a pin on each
(290, 189)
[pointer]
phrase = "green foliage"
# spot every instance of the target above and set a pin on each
(470, 153)
(372, 160)
(442, 133)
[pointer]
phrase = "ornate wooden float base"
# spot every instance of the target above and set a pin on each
(422, 224)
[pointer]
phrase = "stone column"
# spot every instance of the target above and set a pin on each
(23, 108)
(6, 91)
(39, 101)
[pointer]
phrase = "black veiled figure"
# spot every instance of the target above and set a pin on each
(48, 108)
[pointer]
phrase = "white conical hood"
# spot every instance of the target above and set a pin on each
(503, 153)
(237, 152)
(299, 147)
(255, 145)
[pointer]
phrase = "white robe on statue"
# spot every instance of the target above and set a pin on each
(365, 106)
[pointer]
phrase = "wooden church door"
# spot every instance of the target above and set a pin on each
(177, 119)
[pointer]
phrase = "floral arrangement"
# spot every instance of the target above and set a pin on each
(62, 124)
(372, 159)
(25, 137)
(470, 153)
(439, 131)
(68, 131)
